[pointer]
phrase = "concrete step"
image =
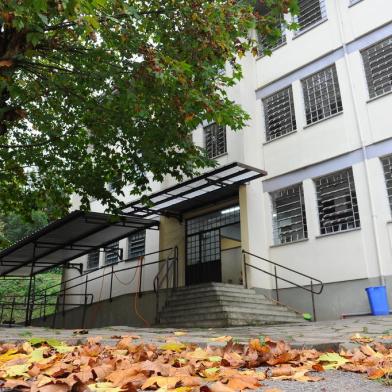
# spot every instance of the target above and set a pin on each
(214, 286)
(208, 298)
(220, 305)
(213, 306)
(197, 314)
(213, 291)
(200, 291)
(223, 319)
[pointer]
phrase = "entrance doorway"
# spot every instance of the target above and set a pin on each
(207, 239)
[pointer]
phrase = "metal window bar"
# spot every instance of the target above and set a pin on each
(136, 244)
(310, 12)
(215, 140)
(112, 253)
(279, 114)
(387, 166)
(378, 67)
(337, 202)
(289, 217)
(93, 260)
(322, 95)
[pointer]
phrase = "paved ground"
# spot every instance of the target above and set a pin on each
(323, 335)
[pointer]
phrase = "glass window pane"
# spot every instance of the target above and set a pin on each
(337, 202)
(289, 218)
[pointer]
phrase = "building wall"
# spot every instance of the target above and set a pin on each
(356, 137)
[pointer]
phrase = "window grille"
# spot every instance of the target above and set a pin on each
(337, 202)
(279, 114)
(289, 218)
(322, 95)
(264, 44)
(215, 140)
(387, 165)
(203, 234)
(111, 254)
(310, 12)
(93, 260)
(137, 245)
(378, 67)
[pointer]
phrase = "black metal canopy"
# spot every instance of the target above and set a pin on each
(67, 239)
(210, 187)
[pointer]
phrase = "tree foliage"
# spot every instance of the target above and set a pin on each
(14, 227)
(93, 91)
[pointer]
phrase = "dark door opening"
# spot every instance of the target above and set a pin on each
(203, 245)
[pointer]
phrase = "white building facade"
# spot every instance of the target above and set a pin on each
(321, 127)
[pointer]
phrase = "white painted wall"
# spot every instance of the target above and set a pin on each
(333, 258)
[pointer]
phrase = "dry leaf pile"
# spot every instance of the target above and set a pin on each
(50, 366)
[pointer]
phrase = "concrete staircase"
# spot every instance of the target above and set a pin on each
(222, 305)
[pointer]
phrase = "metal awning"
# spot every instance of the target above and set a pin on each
(210, 187)
(67, 239)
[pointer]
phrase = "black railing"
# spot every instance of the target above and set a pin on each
(309, 288)
(168, 274)
(56, 298)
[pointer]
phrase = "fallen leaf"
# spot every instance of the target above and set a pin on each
(361, 339)
(104, 387)
(375, 373)
(173, 346)
(80, 332)
(221, 339)
(333, 360)
(168, 382)
(219, 387)
(180, 333)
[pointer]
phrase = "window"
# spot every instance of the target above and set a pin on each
(322, 95)
(264, 44)
(137, 245)
(289, 218)
(93, 260)
(378, 67)
(387, 165)
(279, 114)
(112, 253)
(310, 12)
(215, 140)
(337, 202)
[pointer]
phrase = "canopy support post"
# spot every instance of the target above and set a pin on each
(28, 305)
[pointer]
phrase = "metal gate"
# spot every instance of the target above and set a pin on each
(203, 245)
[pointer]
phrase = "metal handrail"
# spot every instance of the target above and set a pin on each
(173, 266)
(39, 299)
(313, 281)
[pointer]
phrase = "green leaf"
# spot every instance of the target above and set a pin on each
(334, 360)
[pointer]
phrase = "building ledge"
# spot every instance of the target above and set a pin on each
(279, 137)
(289, 243)
(379, 96)
(354, 2)
(305, 30)
(262, 56)
(337, 232)
(323, 119)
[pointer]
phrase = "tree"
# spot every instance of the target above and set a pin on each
(14, 227)
(108, 91)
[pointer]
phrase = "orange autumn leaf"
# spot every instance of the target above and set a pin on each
(168, 382)
(219, 387)
(375, 373)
